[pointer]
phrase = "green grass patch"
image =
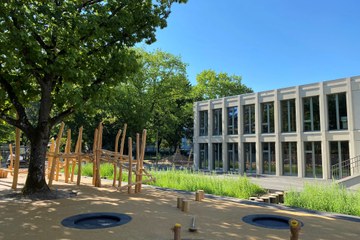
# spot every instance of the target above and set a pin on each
(237, 186)
(328, 198)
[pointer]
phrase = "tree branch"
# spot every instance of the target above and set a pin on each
(88, 3)
(23, 120)
(55, 120)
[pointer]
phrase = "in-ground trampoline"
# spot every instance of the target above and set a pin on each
(269, 221)
(96, 220)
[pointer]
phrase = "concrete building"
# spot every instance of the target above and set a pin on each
(311, 131)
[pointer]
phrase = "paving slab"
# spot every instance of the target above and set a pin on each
(154, 213)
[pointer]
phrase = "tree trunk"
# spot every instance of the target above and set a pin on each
(35, 182)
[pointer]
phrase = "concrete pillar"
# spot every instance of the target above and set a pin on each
(240, 133)
(196, 137)
(299, 131)
(324, 130)
(210, 126)
(224, 134)
(259, 166)
(277, 131)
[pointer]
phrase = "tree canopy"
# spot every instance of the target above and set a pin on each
(57, 55)
(211, 85)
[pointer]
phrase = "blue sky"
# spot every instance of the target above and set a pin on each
(270, 43)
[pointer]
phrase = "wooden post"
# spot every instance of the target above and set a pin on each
(281, 196)
(130, 165)
(67, 151)
(294, 229)
(185, 206)
(73, 160)
(142, 156)
(11, 157)
(197, 196)
(57, 149)
(95, 155)
(179, 202)
(116, 156)
(137, 186)
(51, 158)
(122, 144)
(177, 231)
(98, 156)
(78, 154)
(17, 159)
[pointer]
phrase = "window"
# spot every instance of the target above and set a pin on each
(288, 116)
(311, 114)
(313, 161)
(249, 158)
(337, 111)
(217, 156)
(249, 119)
(232, 120)
(217, 122)
(203, 118)
(339, 153)
(268, 150)
(204, 160)
(267, 122)
(289, 157)
(233, 163)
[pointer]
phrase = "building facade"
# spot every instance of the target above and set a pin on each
(301, 131)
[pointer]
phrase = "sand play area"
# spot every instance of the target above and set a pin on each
(153, 213)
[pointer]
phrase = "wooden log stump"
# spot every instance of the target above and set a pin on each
(276, 198)
(179, 202)
(202, 194)
(272, 199)
(177, 230)
(185, 206)
(281, 196)
(294, 229)
(266, 199)
(198, 196)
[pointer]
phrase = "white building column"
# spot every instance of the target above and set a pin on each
(240, 133)
(277, 131)
(259, 165)
(324, 129)
(210, 131)
(299, 130)
(196, 137)
(223, 136)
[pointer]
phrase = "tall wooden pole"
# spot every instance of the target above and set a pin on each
(95, 155)
(130, 165)
(78, 154)
(116, 161)
(67, 151)
(137, 186)
(57, 149)
(142, 156)
(122, 144)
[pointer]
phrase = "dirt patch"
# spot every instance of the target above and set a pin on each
(54, 194)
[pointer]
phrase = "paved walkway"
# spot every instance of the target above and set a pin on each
(285, 183)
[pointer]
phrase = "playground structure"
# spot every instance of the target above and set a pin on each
(67, 160)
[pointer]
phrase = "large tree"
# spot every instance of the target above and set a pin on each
(211, 85)
(56, 55)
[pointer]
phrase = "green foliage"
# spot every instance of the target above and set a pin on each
(328, 198)
(157, 97)
(211, 85)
